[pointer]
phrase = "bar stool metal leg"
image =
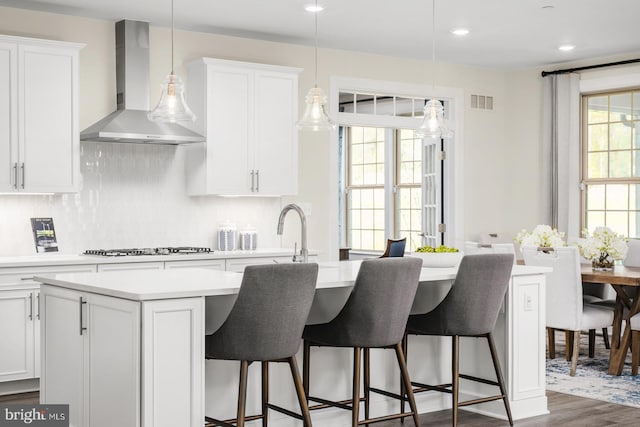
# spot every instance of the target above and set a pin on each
(402, 363)
(306, 360)
(496, 366)
(367, 383)
(455, 357)
(302, 396)
(265, 393)
(355, 412)
(242, 392)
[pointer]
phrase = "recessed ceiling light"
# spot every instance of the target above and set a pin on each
(460, 31)
(566, 47)
(314, 8)
(549, 6)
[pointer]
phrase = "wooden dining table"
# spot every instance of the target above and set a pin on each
(626, 282)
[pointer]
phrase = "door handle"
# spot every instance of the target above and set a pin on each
(38, 306)
(258, 181)
(252, 179)
(82, 328)
(22, 167)
(15, 176)
(31, 306)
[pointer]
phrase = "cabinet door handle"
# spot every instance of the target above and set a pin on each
(252, 179)
(258, 181)
(15, 176)
(22, 167)
(31, 306)
(38, 306)
(27, 278)
(82, 328)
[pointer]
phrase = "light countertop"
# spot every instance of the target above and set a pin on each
(141, 285)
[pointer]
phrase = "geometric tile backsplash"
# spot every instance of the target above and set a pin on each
(132, 195)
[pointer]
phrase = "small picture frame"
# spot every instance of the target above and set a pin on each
(44, 235)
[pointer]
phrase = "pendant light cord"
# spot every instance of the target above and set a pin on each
(433, 43)
(171, 36)
(315, 81)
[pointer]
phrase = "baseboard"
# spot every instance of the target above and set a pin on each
(19, 386)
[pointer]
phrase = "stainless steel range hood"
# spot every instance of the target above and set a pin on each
(129, 123)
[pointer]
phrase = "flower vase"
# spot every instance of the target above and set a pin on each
(603, 263)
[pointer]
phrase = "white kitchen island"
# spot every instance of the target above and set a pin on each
(126, 348)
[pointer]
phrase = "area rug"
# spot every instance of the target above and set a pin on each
(591, 379)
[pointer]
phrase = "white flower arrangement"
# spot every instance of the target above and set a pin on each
(542, 236)
(604, 244)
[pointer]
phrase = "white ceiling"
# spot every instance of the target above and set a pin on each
(504, 33)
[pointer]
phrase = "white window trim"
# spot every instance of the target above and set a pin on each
(454, 198)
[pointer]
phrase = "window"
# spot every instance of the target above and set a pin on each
(383, 187)
(611, 161)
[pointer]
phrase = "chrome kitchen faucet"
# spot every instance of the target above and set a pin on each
(303, 256)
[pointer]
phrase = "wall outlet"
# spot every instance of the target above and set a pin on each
(528, 302)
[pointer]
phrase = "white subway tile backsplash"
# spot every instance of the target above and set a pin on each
(132, 195)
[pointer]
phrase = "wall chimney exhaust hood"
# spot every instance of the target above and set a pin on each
(129, 123)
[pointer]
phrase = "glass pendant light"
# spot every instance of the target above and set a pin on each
(172, 107)
(315, 116)
(433, 124)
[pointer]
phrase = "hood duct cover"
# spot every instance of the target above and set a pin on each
(129, 123)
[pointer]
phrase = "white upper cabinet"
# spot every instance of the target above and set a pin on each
(248, 113)
(39, 133)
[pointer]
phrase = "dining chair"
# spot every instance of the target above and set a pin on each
(470, 309)
(566, 310)
(374, 316)
(395, 248)
(265, 325)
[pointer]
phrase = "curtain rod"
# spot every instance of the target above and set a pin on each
(589, 67)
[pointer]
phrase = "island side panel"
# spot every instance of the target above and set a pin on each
(173, 362)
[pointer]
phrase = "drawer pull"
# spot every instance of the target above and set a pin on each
(28, 278)
(31, 306)
(82, 328)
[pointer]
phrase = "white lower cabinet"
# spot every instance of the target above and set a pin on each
(239, 264)
(91, 357)
(18, 332)
(214, 264)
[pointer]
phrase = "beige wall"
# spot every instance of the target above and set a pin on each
(501, 147)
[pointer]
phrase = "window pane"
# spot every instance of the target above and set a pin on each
(634, 197)
(357, 154)
(595, 197)
(617, 197)
(620, 107)
(357, 175)
(636, 105)
(597, 165)
(367, 219)
(364, 103)
(618, 221)
(598, 109)
(384, 105)
(378, 198)
(356, 134)
(594, 219)
(634, 220)
(370, 135)
(355, 219)
(597, 139)
(404, 107)
(620, 137)
(619, 164)
(346, 102)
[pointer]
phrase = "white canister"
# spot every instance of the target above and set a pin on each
(227, 237)
(248, 239)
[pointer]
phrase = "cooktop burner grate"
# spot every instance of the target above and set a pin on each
(149, 251)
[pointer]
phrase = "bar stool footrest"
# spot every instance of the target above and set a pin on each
(346, 404)
(480, 400)
(386, 393)
(285, 411)
(213, 422)
(420, 387)
(479, 380)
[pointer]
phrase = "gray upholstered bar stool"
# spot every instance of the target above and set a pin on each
(374, 316)
(266, 324)
(470, 309)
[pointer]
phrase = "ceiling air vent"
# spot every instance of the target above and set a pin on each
(481, 102)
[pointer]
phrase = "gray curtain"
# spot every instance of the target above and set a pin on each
(561, 153)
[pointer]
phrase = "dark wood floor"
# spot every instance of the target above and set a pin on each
(566, 410)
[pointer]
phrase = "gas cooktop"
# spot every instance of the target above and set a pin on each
(149, 251)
